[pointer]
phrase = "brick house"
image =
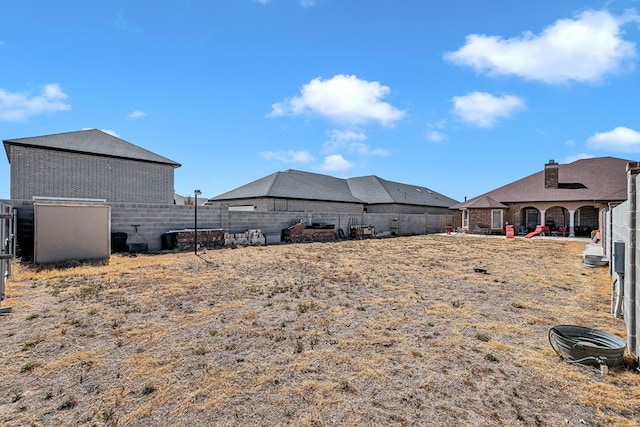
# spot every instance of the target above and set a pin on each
(568, 198)
(298, 191)
(88, 164)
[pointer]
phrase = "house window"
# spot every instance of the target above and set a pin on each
(465, 219)
(496, 219)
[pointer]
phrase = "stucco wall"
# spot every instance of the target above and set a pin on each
(49, 173)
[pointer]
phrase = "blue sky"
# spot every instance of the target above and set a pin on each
(458, 96)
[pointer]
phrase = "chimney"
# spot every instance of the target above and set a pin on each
(551, 175)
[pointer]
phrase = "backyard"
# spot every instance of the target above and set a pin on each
(397, 331)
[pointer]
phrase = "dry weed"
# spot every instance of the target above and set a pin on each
(381, 332)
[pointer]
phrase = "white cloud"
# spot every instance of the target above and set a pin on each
(263, 1)
(335, 162)
(484, 109)
(19, 106)
(289, 156)
(109, 131)
(123, 24)
(350, 141)
(570, 142)
(342, 99)
(436, 136)
(341, 140)
(621, 139)
(440, 124)
(579, 156)
(136, 114)
(583, 49)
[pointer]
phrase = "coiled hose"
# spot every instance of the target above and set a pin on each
(586, 346)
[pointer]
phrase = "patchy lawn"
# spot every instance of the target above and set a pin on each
(381, 332)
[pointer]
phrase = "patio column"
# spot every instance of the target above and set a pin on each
(542, 211)
(571, 223)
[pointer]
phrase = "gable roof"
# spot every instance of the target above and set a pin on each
(294, 184)
(601, 179)
(485, 202)
(375, 190)
(92, 141)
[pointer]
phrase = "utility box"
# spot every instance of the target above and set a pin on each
(618, 257)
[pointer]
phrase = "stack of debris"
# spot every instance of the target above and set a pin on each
(207, 238)
(298, 233)
(361, 231)
(250, 237)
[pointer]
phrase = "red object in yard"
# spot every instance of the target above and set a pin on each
(510, 232)
(539, 230)
(448, 229)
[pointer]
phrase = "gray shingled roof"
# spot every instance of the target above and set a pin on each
(601, 179)
(295, 184)
(486, 202)
(376, 190)
(91, 141)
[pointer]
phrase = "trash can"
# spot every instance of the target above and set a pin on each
(510, 232)
(137, 248)
(168, 241)
(118, 242)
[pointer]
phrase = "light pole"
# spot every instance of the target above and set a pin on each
(195, 222)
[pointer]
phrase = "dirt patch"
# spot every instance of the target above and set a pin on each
(398, 331)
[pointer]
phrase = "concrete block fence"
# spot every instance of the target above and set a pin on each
(621, 239)
(148, 222)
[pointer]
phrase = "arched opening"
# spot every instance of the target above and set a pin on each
(557, 219)
(586, 219)
(529, 217)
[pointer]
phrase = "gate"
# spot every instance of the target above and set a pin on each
(8, 244)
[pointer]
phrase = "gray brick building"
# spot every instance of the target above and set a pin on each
(88, 164)
(294, 190)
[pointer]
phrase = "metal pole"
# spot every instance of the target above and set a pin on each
(629, 307)
(195, 223)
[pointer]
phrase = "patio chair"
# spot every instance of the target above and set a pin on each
(522, 230)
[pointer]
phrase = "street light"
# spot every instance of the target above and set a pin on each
(195, 222)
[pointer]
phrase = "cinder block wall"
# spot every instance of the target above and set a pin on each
(153, 220)
(48, 173)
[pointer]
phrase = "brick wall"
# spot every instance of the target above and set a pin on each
(48, 173)
(479, 216)
(555, 217)
(589, 217)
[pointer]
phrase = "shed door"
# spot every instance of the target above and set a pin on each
(64, 232)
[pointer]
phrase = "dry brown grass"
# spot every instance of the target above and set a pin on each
(357, 333)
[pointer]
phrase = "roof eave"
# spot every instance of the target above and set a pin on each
(66, 150)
